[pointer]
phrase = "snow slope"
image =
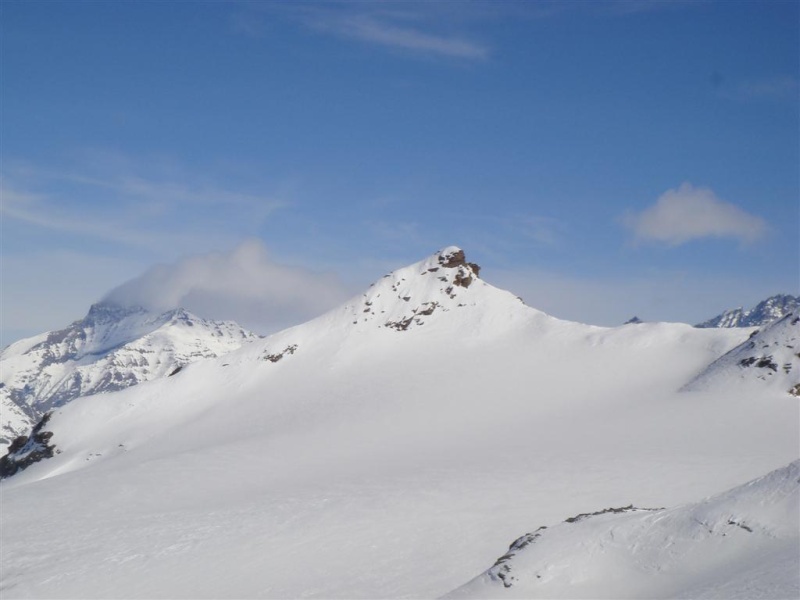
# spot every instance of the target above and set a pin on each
(765, 312)
(113, 347)
(769, 358)
(386, 449)
(717, 548)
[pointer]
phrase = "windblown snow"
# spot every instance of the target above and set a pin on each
(389, 448)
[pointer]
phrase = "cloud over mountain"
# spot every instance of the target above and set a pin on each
(244, 285)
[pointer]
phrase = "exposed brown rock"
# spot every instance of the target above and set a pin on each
(463, 278)
(273, 358)
(458, 259)
(27, 450)
(451, 261)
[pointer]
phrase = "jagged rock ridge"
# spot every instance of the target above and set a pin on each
(763, 313)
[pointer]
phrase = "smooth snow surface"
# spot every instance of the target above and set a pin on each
(744, 543)
(390, 448)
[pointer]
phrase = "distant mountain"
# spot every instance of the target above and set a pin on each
(113, 347)
(763, 313)
(743, 543)
(771, 355)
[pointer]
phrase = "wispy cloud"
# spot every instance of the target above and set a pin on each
(126, 207)
(783, 87)
(634, 7)
(41, 210)
(384, 32)
(689, 213)
(245, 285)
(243, 23)
(426, 29)
(414, 28)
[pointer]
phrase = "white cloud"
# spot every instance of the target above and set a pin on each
(244, 285)
(690, 213)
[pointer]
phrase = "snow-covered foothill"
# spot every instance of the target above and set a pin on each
(386, 449)
(113, 347)
(721, 547)
(769, 358)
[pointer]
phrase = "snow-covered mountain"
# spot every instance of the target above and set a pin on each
(763, 313)
(741, 544)
(388, 448)
(113, 347)
(770, 357)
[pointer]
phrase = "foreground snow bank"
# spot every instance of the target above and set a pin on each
(744, 543)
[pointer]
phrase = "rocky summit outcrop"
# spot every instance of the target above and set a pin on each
(411, 296)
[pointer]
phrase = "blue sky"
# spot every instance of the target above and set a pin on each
(601, 159)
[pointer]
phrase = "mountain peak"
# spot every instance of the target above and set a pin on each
(763, 313)
(112, 347)
(422, 292)
(106, 311)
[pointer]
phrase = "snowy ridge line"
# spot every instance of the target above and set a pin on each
(765, 312)
(620, 553)
(502, 571)
(769, 357)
